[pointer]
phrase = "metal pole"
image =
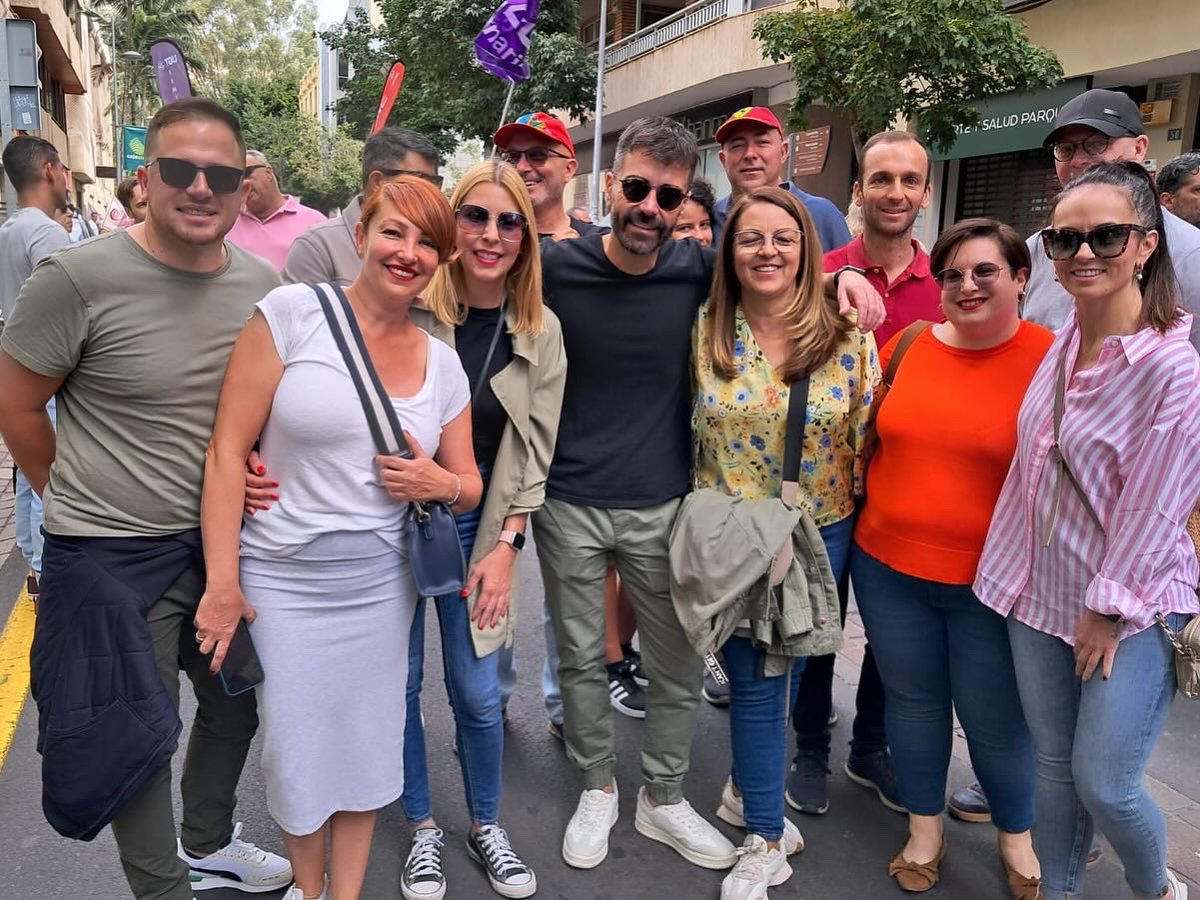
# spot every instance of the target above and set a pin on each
(118, 167)
(10, 193)
(512, 86)
(598, 135)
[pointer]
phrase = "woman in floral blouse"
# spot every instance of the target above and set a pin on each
(766, 324)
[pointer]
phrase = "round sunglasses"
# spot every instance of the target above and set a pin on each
(984, 275)
(474, 220)
(1107, 241)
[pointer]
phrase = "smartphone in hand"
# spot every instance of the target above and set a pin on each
(240, 670)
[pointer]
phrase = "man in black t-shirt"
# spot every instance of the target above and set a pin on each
(626, 301)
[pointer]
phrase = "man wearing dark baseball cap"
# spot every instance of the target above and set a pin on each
(753, 153)
(540, 148)
(1105, 126)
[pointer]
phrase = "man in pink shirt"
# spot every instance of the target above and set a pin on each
(270, 220)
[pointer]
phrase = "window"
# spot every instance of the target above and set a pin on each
(54, 100)
(344, 73)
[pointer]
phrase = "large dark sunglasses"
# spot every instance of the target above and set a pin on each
(537, 156)
(636, 189)
(1107, 241)
(180, 173)
(474, 220)
(983, 275)
(435, 180)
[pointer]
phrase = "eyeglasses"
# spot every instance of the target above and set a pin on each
(1107, 241)
(784, 240)
(636, 189)
(250, 170)
(983, 275)
(1093, 145)
(474, 220)
(435, 180)
(537, 156)
(180, 173)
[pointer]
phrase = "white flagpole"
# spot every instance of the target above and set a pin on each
(512, 86)
(598, 136)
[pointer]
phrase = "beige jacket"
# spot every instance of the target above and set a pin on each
(530, 389)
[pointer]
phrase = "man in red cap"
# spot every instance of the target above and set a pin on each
(753, 152)
(538, 145)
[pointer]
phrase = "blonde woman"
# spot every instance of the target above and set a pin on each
(487, 304)
(767, 324)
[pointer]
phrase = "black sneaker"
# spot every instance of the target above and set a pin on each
(625, 694)
(874, 771)
(633, 658)
(714, 693)
(807, 790)
(422, 877)
(509, 876)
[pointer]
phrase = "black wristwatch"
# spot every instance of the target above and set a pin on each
(837, 276)
(514, 538)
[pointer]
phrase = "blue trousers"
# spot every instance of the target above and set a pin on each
(939, 651)
(1093, 741)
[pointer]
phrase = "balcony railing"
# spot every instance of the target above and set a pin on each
(673, 27)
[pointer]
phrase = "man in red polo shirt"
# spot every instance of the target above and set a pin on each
(892, 188)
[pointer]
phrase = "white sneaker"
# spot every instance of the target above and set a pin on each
(758, 868)
(296, 894)
(679, 826)
(1179, 890)
(585, 843)
(238, 865)
(730, 810)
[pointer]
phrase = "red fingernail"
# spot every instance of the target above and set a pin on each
(262, 470)
(274, 496)
(464, 593)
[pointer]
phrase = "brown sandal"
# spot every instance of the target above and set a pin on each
(916, 877)
(1021, 887)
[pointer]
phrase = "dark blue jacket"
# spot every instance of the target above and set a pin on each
(105, 720)
(831, 224)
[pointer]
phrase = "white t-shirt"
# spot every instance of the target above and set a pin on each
(316, 443)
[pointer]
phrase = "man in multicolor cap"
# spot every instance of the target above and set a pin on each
(538, 146)
(753, 153)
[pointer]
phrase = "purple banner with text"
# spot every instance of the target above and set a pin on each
(504, 42)
(171, 70)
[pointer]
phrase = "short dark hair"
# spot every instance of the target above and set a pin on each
(390, 145)
(1012, 247)
(701, 192)
(1172, 176)
(661, 138)
(125, 191)
(192, 109)
(893, 137)
(24, 157)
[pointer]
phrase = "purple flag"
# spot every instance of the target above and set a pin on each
(501, 46)
(173, 81)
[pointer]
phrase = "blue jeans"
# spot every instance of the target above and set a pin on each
(939, 650)
(551, 694)
(758, 713)
(473, 687)
(1093, 740)
(28, 515)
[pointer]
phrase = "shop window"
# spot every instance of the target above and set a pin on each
(1015, 188)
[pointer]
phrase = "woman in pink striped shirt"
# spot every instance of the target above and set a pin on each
(1087, 543)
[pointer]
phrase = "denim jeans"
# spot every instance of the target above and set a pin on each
(1093, 740)
(473, 687)
(28, 515)
(812, 689)
(939, 651)
(507, 663)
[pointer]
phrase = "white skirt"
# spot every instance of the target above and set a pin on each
(332, 633)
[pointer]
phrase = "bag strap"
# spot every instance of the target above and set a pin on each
(487, 360)
(386, 430)
(911, 333)
(1061, 466)
(793, 439)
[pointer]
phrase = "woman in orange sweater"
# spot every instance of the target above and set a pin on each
(947, 434)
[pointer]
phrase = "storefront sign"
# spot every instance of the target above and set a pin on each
(810, 149)
(1013, 121)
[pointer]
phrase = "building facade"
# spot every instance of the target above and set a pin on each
(333, 69)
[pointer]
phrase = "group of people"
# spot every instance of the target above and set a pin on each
(1008, 502)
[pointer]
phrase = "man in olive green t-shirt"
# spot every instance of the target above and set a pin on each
(132, 332)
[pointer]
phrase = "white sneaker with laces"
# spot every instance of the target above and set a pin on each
(239, 865)
(732, 811)
(585, 843)
(679, 826)
(758, 868)
(296, 894)
(1179, 890)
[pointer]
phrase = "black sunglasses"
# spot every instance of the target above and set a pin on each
(1107, 241)
(636, 189)
(474, 220)
(983, 275)
(435, 180)
(537, 156)
(180, 173)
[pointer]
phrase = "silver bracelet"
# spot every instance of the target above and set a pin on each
(457, 492)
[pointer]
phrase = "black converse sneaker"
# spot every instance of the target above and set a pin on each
(509, 876)
(624, 693)
(422, 878)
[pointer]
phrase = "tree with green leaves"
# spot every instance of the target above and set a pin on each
(445, 95)
(928, 60)
(255, 39)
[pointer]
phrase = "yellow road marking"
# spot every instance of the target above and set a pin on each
(14, 669)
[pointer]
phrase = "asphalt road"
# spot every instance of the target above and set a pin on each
(846, 857)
